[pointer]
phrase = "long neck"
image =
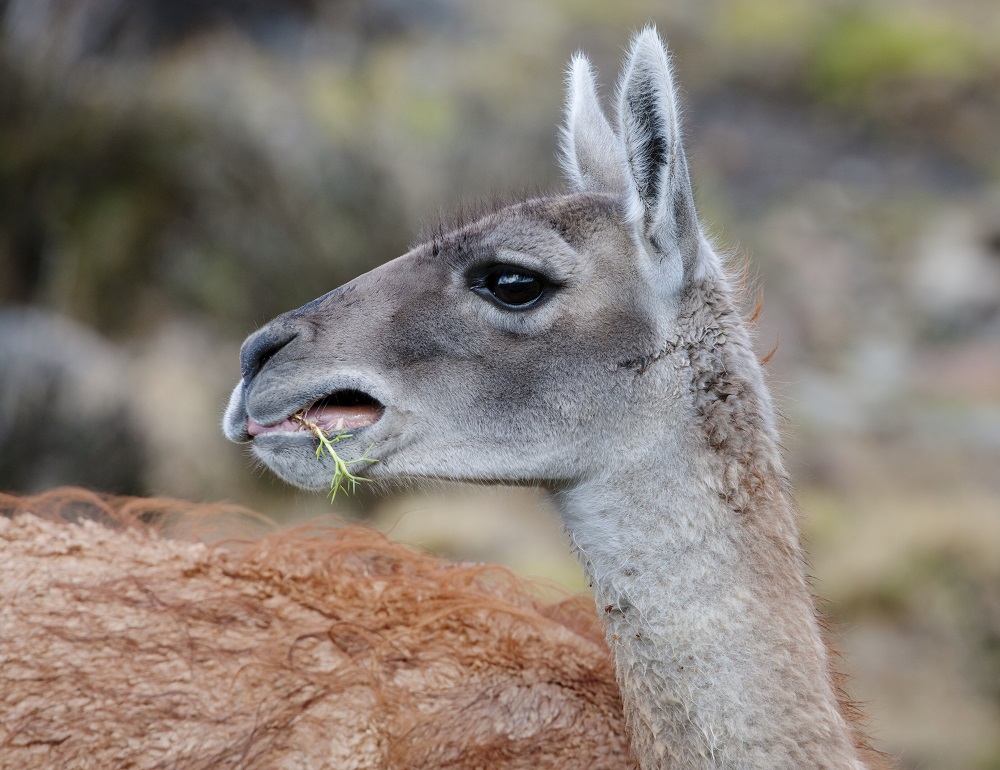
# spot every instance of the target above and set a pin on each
(693, 551)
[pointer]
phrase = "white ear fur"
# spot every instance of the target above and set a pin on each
(659, 197)
(591, 155)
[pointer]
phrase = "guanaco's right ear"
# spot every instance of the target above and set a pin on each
(590, 154)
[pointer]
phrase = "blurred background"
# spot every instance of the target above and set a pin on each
(174, 173)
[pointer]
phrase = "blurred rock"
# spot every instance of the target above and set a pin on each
(65, 410)
(955, 281)
(183, 374)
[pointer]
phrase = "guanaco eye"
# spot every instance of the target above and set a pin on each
(514, 287)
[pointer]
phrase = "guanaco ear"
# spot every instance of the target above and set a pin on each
(659, 197)
(590, 153)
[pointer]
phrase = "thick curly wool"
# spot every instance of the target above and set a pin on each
(729, 395)
(318, 649)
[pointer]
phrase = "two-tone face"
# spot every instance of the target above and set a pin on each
(493, 353)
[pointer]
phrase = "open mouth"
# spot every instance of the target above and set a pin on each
(334, 413)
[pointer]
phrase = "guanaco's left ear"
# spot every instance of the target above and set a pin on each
(591, 155)
(659, 198)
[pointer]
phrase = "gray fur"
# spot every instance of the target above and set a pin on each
(632, 393)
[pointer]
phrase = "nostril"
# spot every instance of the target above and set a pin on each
(260, 348)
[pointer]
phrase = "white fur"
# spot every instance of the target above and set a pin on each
(586, 138)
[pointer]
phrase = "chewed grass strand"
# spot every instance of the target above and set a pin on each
(343, 479)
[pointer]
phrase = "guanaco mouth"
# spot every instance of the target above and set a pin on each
(334, 413)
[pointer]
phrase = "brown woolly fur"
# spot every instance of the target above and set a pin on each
(161, 515)
(315, 648)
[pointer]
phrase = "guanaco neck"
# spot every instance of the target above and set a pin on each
(693, 551)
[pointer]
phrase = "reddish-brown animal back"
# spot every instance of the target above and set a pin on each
(322, 647)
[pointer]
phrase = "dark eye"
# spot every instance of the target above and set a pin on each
(512, 286)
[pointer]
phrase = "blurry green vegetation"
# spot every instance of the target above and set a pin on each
(862, 51)
(847, 52)
(121, 217)
(930, 72)
(82, 196)
(779, 28)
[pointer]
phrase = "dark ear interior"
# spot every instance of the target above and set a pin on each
(660, 196)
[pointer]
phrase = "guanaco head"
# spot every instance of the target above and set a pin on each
(529, 345)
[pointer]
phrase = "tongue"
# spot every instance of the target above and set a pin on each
(332, 419)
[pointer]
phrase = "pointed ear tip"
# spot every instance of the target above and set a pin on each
(579, 65)
(649, 39)
(581, 80)
(649, 32)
